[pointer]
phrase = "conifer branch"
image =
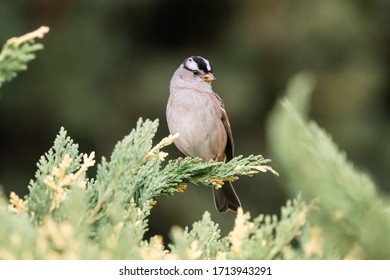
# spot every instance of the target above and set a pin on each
(349, 203)
(17, 52)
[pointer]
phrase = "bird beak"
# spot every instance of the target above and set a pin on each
(209, 77)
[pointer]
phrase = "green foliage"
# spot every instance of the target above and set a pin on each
(352, 220)
(203, 241)
(106, 217)
(17, 52)
(272, 237)
(40, 197)
(266, 237)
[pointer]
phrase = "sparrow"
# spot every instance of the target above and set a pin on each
(198, 114)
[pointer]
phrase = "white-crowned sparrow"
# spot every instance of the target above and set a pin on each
(199, 115)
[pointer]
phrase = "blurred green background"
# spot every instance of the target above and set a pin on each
(107, 63)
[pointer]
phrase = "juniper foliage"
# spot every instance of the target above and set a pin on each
(17, 52)
(352, 219)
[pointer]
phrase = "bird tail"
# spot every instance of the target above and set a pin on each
(225, 198)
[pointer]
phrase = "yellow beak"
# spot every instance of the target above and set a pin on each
(209, 77)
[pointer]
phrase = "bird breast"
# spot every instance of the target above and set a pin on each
(198, 120)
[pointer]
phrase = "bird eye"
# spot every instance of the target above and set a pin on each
(195, 72)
